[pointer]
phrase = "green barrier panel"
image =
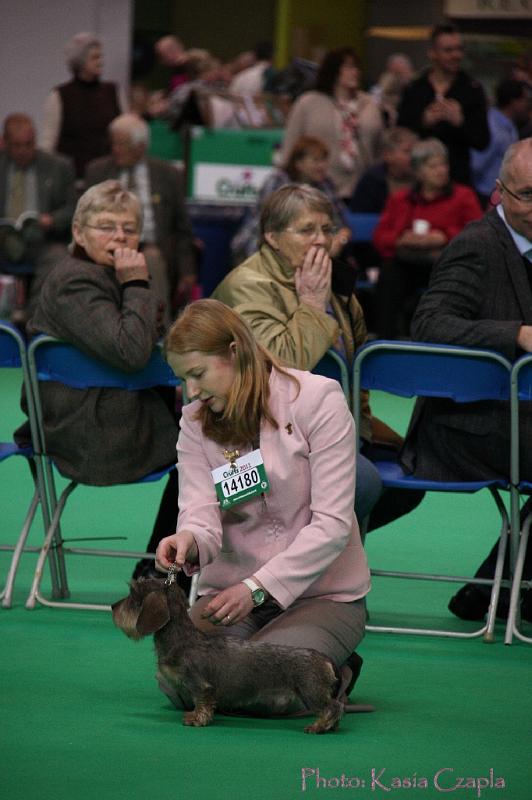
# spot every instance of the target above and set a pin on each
(228, 166)
(164, 142)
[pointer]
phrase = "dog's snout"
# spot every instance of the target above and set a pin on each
(125, 617)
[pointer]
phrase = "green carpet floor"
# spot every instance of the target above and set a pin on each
(81, 716)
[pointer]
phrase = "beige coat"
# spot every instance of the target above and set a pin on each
(263, 291)
(315, 114)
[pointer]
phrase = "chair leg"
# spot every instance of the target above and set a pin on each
(7, 594)
(45, 550)
(487, 629)
(56, 555)
(39, 498)
(512, 626)
(515, 534)
(489, 635)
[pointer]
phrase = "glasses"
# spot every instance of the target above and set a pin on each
(313, 231)
(110, 229)
(523, 197)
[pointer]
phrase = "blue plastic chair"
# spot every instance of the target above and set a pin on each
(215, 227)
(13, 355)
(332, 365)
(362, 225)
(50, 359)
(457, 373)
(521, 387)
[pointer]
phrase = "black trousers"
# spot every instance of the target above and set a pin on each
(440, 452)
(165, 525)
(487, 568)
(398, 291)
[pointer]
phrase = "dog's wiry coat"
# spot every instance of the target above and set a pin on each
(225, 672)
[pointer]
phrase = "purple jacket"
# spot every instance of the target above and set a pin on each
(306, 542)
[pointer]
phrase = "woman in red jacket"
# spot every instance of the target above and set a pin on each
(414, 227)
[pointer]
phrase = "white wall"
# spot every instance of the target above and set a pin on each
(34, 34)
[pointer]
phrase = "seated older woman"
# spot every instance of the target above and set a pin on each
(299, 303)
(99, 299)
(307, 162)
(413, 229)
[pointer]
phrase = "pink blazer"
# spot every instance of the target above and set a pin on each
(306, 542)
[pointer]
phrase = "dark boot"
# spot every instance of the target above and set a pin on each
(349, 673)
(472, 601)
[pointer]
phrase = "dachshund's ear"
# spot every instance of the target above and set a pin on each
(154, 614)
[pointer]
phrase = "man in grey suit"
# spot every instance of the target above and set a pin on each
(480, 295)
(167, 234)
(39, 186)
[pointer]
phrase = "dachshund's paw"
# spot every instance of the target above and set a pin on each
(196, 719)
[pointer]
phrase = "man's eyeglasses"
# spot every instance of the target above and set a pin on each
(523, 197)
(110, 229)
(312, 231)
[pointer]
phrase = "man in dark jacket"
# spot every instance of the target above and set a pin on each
(37, 196)
(167, 235)
(480, 295)
(445, 102)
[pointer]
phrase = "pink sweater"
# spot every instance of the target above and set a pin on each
(306, 543)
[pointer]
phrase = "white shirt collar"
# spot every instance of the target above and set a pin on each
(523, 244)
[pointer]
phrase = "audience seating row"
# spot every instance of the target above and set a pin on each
(457, 373)
(412, 369)
(47, 359)
(404, 369)
(13, 354)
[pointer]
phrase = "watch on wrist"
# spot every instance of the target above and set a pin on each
(258, 595)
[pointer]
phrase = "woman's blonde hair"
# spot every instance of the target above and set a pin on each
(211, 327)
(107, 196)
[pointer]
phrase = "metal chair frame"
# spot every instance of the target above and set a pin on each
(50, 359)
(332, 365)
(440, 378)
(521, 391)
(13, 354)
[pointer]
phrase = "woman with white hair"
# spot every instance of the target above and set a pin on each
(414, 227)
(77, 113)
(99, 299)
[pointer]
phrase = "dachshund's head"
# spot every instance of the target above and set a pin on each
(145, 610)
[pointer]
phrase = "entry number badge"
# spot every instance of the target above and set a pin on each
(241, 480)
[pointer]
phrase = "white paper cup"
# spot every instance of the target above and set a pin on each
(420, 226)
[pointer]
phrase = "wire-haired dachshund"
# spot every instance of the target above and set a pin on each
(223, 672)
